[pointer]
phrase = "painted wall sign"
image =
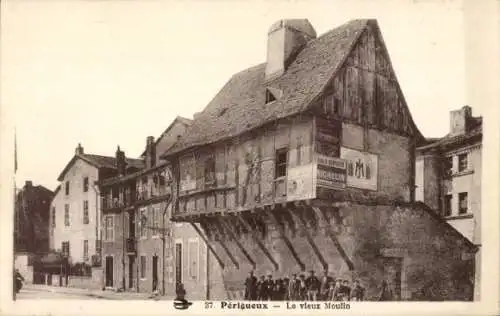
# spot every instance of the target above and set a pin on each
(331, 172)
(362, 168)
(300, 183)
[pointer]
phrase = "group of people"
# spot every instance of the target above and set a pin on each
(301, 288)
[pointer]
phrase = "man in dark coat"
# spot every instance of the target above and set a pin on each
(302, 293)
(269, 287)
(346, 290)
(358, 292)
(261, 289)
(313, 284)
(251, 287)
(286, 292)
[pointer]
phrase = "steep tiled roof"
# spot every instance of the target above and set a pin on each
(240, 105)
(475, 133)
(99, 162)
(178, 119)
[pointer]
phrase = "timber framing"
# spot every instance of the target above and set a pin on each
(273, 218)
(321, 214)
(308, 236)
(235, 238)
(258, 241)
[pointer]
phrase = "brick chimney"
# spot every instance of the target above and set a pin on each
(79, 149)
(459, 120)
(121, 163)
(285, 39)
(150, 152)
(28, 184)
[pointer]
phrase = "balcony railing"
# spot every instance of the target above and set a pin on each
(131, 246)
(117, 202)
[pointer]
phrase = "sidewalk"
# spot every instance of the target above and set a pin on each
(99, 294)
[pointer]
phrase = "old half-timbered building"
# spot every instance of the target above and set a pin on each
(307, 162)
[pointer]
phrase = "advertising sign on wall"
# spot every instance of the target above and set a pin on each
(362, 168)
(331, 172)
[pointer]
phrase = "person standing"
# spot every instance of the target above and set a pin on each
(302, 293)
(261, 289)
(313, 284)
(286, 292)
(325, 285)
(269, 287)
(337, 290)
(346, 290)
(358, 291)
(385, 292)
(251, 287)
(293, 288)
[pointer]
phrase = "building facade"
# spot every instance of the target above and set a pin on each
(448, 174)
(31, 214)
(307, 162)
(75, 215)
(142, 250)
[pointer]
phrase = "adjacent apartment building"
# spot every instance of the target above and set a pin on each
(307, 161)
(448, 177)
(142, 250)
(75, 214)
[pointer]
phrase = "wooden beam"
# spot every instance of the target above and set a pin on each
(334, 238)
(236, 240)
(208, 244)
(259, 242)
(287, 242)
(309, 238)
(229, 254)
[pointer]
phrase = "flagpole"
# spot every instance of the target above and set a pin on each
(16, 222)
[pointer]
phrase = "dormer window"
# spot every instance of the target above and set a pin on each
(269, 97)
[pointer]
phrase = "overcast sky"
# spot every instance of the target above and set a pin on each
(108, 73)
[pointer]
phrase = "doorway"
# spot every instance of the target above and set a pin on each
(109, 271)
(393, 268)
(131, 263)
(155, 273)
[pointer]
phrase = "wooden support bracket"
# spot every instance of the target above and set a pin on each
(209, 246)
(309, 238)
(236, 240)
(287, 242)
(259, 242)
(334, 239)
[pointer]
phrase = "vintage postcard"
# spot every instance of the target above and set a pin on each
(246, 157)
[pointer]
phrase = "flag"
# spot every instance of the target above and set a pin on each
(15, 152)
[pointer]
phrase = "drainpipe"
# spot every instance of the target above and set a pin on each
(208, 274)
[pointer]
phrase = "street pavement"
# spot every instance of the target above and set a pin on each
(32, 292)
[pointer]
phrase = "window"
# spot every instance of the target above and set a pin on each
(462, 203)
(85, 250)
(447, 205)
(448, 166)
(108, 225)
(53, 216)
(85, 212)
(193, 259)
(143, 267)
(281, 163)
(331, 104)
(86, 184)
(462, 162)
(67, 188)
(66, 214)
(210, 170)
(270, 97)
(143, 222)
(156, 221)
(65, 248)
